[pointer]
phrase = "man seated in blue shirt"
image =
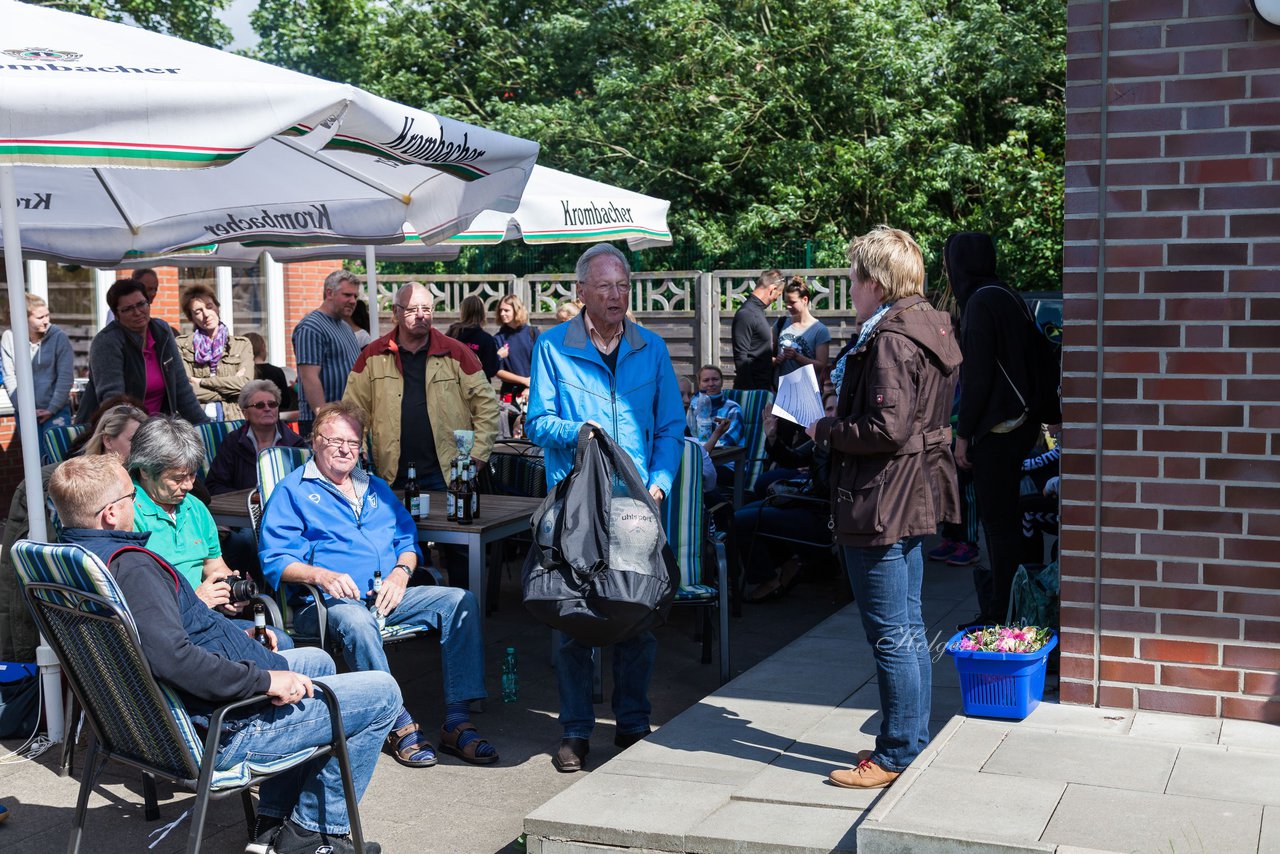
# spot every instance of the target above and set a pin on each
(331, 525)
(210, 662)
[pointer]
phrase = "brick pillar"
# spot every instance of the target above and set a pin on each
(1171, 591)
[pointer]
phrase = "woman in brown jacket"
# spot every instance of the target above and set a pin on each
(218, 363)
(893, 480)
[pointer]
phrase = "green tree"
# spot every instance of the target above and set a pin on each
(193, 20)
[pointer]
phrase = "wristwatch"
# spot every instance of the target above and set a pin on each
(407, 569)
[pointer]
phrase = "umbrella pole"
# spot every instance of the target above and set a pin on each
(371, 285)
(51, 674)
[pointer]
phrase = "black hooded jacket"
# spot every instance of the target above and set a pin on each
(994, 333)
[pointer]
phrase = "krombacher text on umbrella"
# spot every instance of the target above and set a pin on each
(315, 219)
(432, 149)
(595, 215)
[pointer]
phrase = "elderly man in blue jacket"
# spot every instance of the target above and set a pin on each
(603, 369)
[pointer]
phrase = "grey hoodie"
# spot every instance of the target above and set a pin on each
(52, 366)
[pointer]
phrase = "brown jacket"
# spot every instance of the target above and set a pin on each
(892, 472)
(235, 370)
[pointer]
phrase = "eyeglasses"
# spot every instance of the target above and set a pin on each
(130, 497)
(264, 404)
(615, 287)
(415, 310)
(352, 445)
(131, 309)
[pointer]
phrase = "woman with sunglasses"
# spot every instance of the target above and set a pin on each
(236, 464)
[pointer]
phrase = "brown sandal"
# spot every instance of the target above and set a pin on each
(449, 744)
(403, 752)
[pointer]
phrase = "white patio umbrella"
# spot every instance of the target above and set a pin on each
(109, 103)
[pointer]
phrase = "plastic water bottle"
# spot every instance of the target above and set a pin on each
(510, 677)
(378, 618)
(703, 416)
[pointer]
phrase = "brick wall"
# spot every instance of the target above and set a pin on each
(1171, 592)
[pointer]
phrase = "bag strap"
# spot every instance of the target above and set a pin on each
(1026, 313)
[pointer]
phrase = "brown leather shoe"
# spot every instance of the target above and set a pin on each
(572, 753)
(626, 739)
(866, 775)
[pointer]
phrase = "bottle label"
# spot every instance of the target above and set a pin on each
(415, 507)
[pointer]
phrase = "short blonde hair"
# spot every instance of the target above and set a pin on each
(80, 485)
(35, 301)
(338, 409)
(891, 257)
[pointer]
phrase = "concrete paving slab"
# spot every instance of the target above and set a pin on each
(1117, 820)
(838, 735)
(842, 625)
(802, 780)
(633, 812)
(1110, 761)
(954, 805)
(1178, 729)
(1252, 734)
(1079, 719)
(1239, 775)
(1269, 839)
(756, 828)
(559, 846)
(971, 745)
(626, 766)
(874, 839)
(818, 670)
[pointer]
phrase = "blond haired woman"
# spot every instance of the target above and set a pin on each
(515, 346)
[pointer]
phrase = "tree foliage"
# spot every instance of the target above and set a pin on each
(193, 20)
(761, 121)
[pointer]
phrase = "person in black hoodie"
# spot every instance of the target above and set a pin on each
(993, 432)
(211, 661)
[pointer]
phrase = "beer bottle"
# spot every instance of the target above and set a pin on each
(475, 489)
(260, 625)
(378, 617)
(412, 495)
(464, 499)
(451, 493)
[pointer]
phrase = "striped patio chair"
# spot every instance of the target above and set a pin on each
(132, 718)
(212, 434)
(685, 520)
(56, 442)
(753, 402)
(275, 464)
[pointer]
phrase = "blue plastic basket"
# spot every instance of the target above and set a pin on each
(1000, 684)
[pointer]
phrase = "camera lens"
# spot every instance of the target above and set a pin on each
(242, 589)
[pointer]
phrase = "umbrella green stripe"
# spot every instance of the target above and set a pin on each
(78, 151)
(537, 237)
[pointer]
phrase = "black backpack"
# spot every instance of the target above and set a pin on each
(600, 569)
(1041, 402)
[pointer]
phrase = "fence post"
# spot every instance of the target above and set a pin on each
(524, 291)
(708, 314)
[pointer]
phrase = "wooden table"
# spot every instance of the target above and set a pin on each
(500, 517)
(731, 453)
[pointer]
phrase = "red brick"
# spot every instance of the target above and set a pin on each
(1263, 363)
(1250, 549)
(1251, 657)
(1213, 89)
(1264, 142)
(1132, 148)
(1202, 336)
(1239, 708)
(1118, 542)
(1182, 281)
(1251, 389)
(1131, 94)
(1116, 388)
(1185, 494)
(1081, 229)
(1262, 196)
(1119, 440)
(1077, 693)
(1178, 599)
(1252, 280)
(1253, 497)
(1173, 572)
(1256, 225)
(1263, 525)
(1131, 413)
(1136, 175)
(1252, 602)
(1226, 171)
(1077, 667)
(1203, 415)
(1182, 388)
(1207, 254)
(1262, 631)
(1267, 684)
(1193, 626)
(1182, 652)
(1076, 618)
(1137, 569)
(1264, 56)
(1090, 41)
(1234, 575)
(1175, 701)
(1117, 647)
(1181, 468)
(1204, 228)
(1266, 471)
(1122, 11)
(1254, 444)
(1231, 30)
(1116, 697)
(1130, 362)
(1115, 594)
(1202, 678)
(1078, 643)
(1133, 622)
(1205, 118)
(1205, 362)
(1180, 199)
(1088, 121)
(1264, 309)
(1125, 671)
(1264, 416)
(1204, 521)
(1247, 114)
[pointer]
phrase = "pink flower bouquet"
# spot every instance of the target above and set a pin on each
(1019, 639)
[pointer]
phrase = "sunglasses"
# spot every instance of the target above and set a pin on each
(264, 404)
(130, 497)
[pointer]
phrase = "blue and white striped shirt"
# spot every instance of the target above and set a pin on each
(327, 341)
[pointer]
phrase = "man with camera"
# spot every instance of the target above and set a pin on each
(163, 460)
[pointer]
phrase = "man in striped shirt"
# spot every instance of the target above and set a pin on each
(325, 347)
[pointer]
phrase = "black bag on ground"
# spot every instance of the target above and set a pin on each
(599, 569)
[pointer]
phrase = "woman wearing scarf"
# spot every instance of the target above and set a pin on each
(893, 481)
(218, 364)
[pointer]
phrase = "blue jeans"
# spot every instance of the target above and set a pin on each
(311, 793)
(448, 609)
(632, 669)
(886, 584)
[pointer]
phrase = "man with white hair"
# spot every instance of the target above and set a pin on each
(325, 347)
(602, 369)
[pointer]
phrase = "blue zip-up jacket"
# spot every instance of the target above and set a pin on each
(639, 405)
(307, 519)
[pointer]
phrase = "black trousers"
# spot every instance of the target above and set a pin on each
(997, 475)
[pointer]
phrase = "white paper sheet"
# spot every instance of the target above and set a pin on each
(798, 399)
